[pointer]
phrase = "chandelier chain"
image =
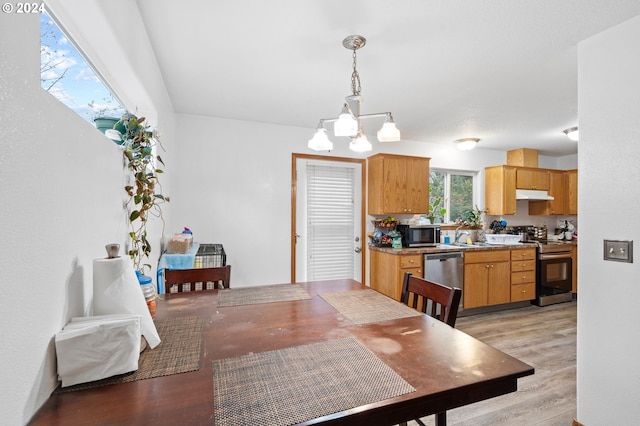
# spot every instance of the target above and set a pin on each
(355, 77)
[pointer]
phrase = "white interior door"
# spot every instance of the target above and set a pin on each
(328, 220)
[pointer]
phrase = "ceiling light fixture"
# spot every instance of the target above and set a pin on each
(348, 122)
(467, 144)
(572, 133)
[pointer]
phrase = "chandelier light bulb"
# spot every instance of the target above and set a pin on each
(346, 125)
(360, 144)
(389, 132)
(320, 141)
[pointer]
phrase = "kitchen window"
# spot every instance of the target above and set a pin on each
(455, 189)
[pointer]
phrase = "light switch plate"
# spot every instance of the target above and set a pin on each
(618, 250)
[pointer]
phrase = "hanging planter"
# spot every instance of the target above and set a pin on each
(109, 123)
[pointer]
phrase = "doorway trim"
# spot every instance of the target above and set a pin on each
(294, 194)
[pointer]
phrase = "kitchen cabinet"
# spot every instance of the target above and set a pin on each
(571, 182)
(398, 184)
(500, 190)
(387, 271)
(557, 189)
(530, 178)
(487, 278)
(523, 275)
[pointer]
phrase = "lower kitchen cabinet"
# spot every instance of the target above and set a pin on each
(523, 275)
(387, 271)
(487, 278)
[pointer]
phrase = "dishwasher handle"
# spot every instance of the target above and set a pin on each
(444, 256)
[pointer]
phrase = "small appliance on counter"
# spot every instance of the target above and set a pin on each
(419, 235)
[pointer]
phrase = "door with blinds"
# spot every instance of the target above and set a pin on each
(328, 228)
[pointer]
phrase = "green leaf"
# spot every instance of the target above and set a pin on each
(134, 215)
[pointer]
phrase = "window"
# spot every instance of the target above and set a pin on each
(455, 190)
(69, 78)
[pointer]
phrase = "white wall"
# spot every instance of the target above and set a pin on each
(59, 190)
(608, 176)
(233, 186)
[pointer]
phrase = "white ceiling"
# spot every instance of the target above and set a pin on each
(504, 71)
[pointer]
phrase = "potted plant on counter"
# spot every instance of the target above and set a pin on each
(435, 210)
(139, 146)
(472, 219)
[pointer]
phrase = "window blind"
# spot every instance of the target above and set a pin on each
(330, 222)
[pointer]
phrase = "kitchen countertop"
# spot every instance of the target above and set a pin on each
(440, 248)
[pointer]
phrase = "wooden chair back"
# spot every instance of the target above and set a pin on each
(433, 299)
(181, 280)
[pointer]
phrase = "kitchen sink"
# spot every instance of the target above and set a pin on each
(463, 245)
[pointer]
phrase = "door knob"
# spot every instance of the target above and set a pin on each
(358, 249)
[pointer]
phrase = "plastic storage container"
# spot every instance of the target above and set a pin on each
(149, 293)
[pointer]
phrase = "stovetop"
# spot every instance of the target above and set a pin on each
(547, 246)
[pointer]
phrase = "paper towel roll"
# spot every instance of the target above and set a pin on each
(116, 291)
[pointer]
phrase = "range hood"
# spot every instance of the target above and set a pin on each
(530, 194)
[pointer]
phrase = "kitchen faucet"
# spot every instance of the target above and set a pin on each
(459, 234)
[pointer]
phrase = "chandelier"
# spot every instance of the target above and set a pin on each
(349, 122)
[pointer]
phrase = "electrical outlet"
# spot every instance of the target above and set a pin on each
(618, 251)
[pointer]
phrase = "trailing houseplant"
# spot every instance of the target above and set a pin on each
(143, 188)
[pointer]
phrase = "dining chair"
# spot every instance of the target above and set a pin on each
(436, 300)
(196, 279)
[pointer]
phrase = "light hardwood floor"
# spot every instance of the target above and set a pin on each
(543, 337)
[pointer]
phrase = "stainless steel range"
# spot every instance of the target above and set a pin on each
(553, 273)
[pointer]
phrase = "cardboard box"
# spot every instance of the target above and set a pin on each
(522, 157)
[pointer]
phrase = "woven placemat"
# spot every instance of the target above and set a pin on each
(367, 306)
(261, 294)
(179, 352)
(293, 385)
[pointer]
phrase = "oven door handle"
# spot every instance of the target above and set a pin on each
(545, 256)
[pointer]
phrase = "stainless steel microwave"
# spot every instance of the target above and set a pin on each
(419, 235)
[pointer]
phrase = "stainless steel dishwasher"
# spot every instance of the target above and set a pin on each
(445, 268)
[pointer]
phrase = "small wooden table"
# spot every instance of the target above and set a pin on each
(447, 367)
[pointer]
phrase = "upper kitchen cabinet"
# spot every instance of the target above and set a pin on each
(557, 189)
(500, 190)
(398, 184)
(571, 181)
(530, 178)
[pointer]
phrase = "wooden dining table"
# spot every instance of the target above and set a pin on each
(445, 367)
